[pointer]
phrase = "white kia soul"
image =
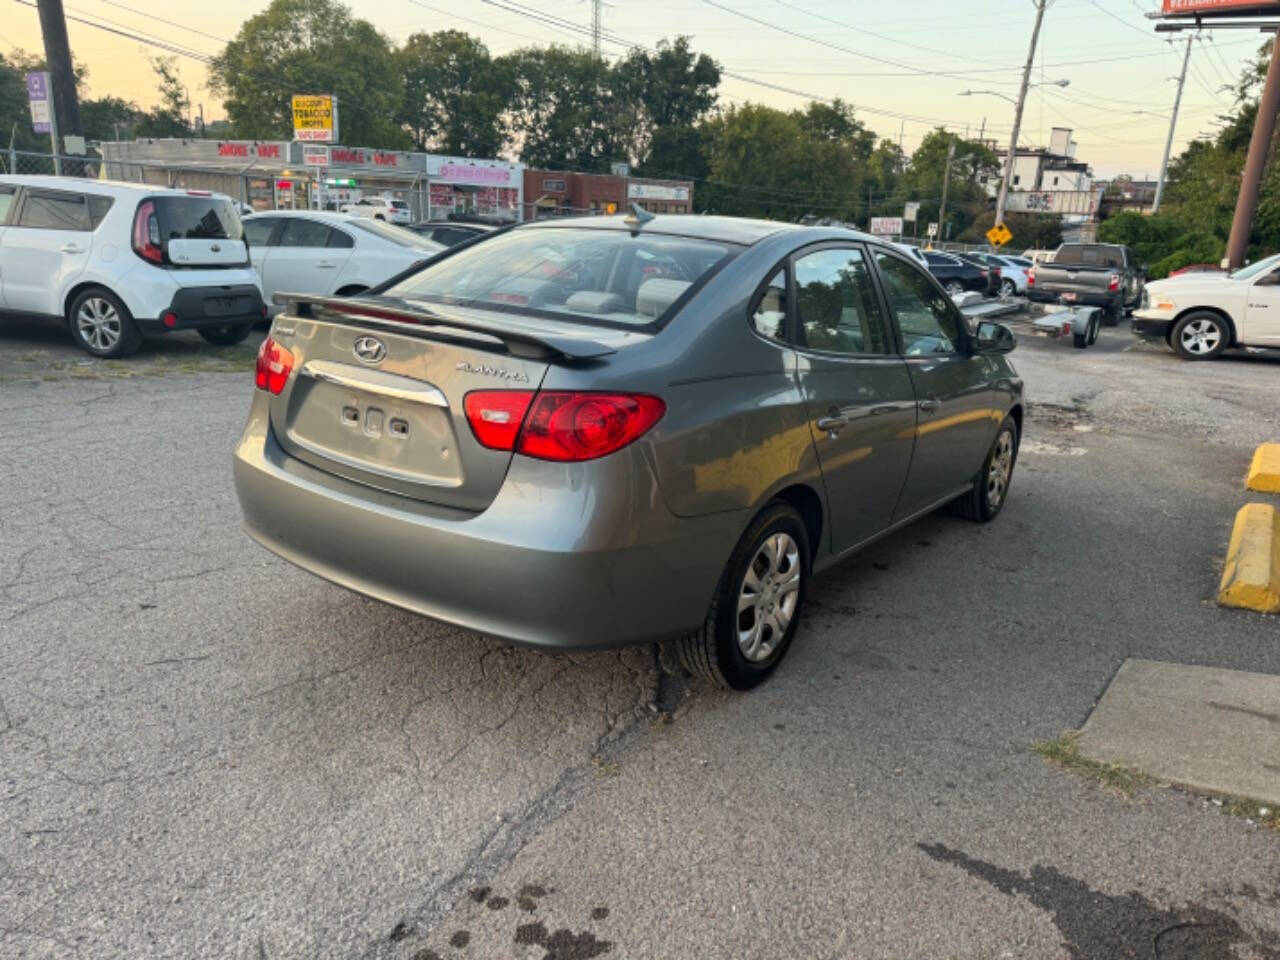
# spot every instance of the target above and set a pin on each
(118, 261)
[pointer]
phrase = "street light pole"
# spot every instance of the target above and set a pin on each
(1017, 115)
(1173, 122)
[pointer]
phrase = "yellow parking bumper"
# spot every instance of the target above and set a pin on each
(1251, 577)
(1264, 471)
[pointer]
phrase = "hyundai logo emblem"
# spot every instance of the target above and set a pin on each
(369, 350)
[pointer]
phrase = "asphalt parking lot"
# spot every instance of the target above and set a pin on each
(207, 753)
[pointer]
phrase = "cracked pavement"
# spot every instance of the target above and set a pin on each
(207, 753)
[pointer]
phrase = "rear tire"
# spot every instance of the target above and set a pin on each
(1008, 288)
(1114, 313)
(990, 490)
(227, 336)
(757, 604)
(1094, 324)
(102, 325)
(1081, 340)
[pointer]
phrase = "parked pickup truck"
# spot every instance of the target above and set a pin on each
(1096, 274)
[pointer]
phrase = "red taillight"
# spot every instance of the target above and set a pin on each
(275, 363)
(563, 426)
(495, 416)
(199, 193)
(1114, 285)
(1031, 277)
(170, 318)
(583, 426)
(146, 233)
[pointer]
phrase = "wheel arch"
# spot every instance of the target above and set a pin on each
(1016, 413)
(808, 504)
(350, 289)
(82, 286)
(1217, 311)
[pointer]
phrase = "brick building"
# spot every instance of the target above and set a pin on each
(560, 193)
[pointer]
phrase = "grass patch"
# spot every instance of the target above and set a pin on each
(1263, 814)
(1064, 752)
(603, 767)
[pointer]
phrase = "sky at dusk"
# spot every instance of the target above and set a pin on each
(903, 65)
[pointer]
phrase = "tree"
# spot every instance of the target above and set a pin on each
(310, 46)
(110, 118)
(966, 197)
(665, 95)
(454, 94)
(562, 105)
(1041, 231)
(169, 117)
(772, 163)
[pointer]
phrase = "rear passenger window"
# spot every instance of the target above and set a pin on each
(770, 315)
(50, 210)
(304, 233)
(836, 304)
(338, 238)
(6, 201)
(98, 207)
(258, 232)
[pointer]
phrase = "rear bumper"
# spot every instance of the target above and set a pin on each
(568, 556)
(1039, 295)
(210, 306)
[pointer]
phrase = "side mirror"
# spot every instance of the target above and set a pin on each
(995, 338)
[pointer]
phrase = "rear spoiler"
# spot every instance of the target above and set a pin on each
(396, 314)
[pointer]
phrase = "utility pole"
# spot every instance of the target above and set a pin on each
(1173, 122)
(1263, 126)
(57, 54)
(597, 8)
(946, 183)
(1017, 115)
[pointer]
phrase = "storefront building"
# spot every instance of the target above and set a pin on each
(282, 175)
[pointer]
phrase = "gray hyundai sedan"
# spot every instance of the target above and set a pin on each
(602, 431)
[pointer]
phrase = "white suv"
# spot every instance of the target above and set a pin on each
(120, 260)
(380, 208)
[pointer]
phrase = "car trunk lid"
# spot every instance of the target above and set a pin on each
(377, 393)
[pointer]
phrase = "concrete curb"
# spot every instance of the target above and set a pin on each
(1264, 471)
(1251, 576)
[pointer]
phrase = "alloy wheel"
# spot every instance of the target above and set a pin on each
(98, 324)
(953, 288)
(768, 596)
(1200, 337)
(1001, 469)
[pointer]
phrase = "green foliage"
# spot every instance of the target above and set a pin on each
(765, 162)
(454, 94)
(311, 46)
(1040, 231)
(966, 197)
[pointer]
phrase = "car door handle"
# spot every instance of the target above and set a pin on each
(71, 248)
(832, 424)
(325, 265)
(929, 406)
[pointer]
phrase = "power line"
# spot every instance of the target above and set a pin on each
(160, 44)
(172, 23)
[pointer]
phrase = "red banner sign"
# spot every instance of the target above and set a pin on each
(1189, 7)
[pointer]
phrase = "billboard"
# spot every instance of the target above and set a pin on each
(1235, 7)
(887, 226)
(315, 118)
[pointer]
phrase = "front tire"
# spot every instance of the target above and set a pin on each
(757, 604)
(991, 485)
(1200, 336)
(102, 325)
(1081, 340)
(227, 336)
(1114, 314)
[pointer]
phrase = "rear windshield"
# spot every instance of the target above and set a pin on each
(197, 218)
(400, 204)
(602, 277)
(1090, 255)
(402, 236)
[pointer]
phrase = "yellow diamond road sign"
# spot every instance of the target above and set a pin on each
(999, 235)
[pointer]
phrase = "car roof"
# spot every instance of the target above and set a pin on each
(461, 224)
(739, 230)
(328, 216)
(86, 185)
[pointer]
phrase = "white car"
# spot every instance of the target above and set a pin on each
(1201, 314)
(312, 251)
(1013, 272)
(120, 260)
(381, 208)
